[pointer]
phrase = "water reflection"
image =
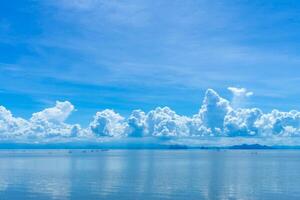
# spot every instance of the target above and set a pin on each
(150, 174)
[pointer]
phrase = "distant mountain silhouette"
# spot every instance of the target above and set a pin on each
(250, 146)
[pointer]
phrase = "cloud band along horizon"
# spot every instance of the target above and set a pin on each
(217, 117)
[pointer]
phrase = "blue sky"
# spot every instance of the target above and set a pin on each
(126, 55)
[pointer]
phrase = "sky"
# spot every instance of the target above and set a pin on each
(126, 55)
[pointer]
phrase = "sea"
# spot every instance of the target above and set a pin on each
(88, 174)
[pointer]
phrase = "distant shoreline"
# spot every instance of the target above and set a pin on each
(25, 146)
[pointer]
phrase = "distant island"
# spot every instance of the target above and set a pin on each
(136, 146)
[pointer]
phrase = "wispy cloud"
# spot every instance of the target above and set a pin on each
(159, 47)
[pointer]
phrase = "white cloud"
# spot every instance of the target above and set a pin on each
(11, 126)
(108, 123)
(279, 123)
(241, 122)
(214, 110)
(215, 119)
(240, 91)
(50, 121)
(137, 126)
(44, 124)
(164, 122)
(57, 114)
(239, 96)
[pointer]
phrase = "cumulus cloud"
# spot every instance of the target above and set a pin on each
(239, 96)
(213, 111)
(57, 114)
(44, 124)
(137, 126)
(164, 122)
(240, 91)
(9, 125)
(217, 118)
(50, 121)
(242, 122)
(279, 123)
(108, 123)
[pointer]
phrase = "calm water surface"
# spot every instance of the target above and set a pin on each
(149, 174)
